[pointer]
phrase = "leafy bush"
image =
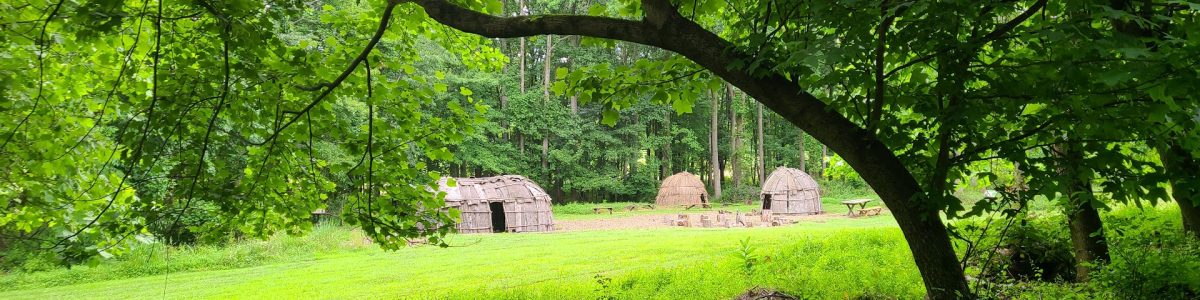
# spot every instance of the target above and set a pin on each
(1039, 249)
(201, 214)
(1032, 248)
(1152, 258)
(844, 189)
(739, 194)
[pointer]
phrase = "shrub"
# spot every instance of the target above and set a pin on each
(1032, 248)
(1039, 250)
(739, 194)
(844, 189)
(1152, 258)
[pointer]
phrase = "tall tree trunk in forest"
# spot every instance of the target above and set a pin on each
(803, 155)
(1183, 171)
(824, 160)
(666, 151)
(548, 63)
(734, 165)
(1087, 231)
(715, 164)
(1018, 177)
(762, 159)
(521, 55)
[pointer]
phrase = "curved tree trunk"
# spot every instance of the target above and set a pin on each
(665, 28)
(1184, 172)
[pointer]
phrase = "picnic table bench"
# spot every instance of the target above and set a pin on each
(870, 211)
(862, 204)
(635, 207)
(597, 210)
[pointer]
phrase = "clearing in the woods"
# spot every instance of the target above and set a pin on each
(822, 257)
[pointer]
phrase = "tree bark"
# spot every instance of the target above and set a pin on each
(762, 158)
(734, 165)
(1183, 171)
(1087, 231)
(803, 154)
(666, 163)
(521, 55)
(716, 176)
(663, 27)
(548, 63)
(824, 159)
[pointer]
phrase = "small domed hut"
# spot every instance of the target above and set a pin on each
(508, 203)
(791, 191)
(683, 188)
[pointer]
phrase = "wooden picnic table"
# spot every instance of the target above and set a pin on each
(862, 203)
(599, 209)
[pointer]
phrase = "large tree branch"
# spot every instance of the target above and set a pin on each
(525, 26)
(664, 28)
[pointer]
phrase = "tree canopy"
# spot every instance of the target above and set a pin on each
(126, 115)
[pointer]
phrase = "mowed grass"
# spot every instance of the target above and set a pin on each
(838, 258)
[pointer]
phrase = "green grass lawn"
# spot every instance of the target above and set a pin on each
(836, 258)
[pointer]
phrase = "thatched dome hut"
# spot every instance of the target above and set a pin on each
(508, 203)
(683, 188)
(791, 191)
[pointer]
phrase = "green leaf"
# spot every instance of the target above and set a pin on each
(495, 6)
(559, 88)
(596, 9)
(609, 117)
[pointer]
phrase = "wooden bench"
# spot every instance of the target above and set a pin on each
(597, 210)
(870, 211)
(648, 206)
(688, 206)
(631, 208)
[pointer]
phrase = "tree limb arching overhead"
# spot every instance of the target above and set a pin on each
(665, 28)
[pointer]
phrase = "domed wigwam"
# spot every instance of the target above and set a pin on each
(508, 203)
(683, 188)
(791, 191)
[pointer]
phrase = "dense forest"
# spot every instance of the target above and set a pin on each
(184, 122)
